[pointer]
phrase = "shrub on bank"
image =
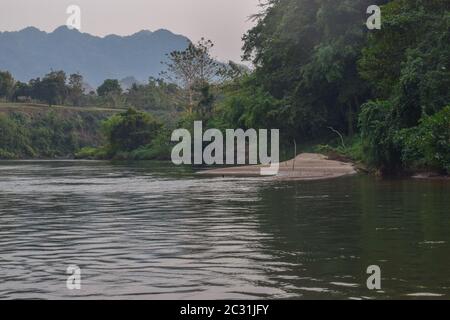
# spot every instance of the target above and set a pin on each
(428, 144)
(131, 135)
(46, 135)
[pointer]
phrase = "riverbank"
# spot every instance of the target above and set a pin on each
(306, 166)
(430, 176)
(34, 131)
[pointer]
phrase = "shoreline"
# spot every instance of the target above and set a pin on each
(429, 176)
(308, 167)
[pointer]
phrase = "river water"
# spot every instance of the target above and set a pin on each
(153, 231)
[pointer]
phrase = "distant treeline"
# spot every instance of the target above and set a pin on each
(142, 132)
(56, 88)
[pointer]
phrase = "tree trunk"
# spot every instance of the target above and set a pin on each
(191, 101)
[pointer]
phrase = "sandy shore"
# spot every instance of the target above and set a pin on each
(308, 166)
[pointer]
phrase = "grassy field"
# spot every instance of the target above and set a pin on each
(33, 107)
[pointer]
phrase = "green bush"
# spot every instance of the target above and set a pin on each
(352, 150)
(130, 130)
(131, 135)
(159, 149)
(5, 155)
(15, 139)
(378, 130)
(428, 145)
(87, 153)
(46, 135)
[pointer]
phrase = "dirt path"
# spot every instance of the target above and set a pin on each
(308, 166)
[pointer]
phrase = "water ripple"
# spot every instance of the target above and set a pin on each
(152, 232)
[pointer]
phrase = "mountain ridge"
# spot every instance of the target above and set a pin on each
(31, 53)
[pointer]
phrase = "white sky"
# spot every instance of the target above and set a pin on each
(223, 21)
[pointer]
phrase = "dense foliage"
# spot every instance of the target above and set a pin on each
(47, 135)
(305, 53)
(428, 144)
(56, 88)
(408, 68)
(129, 135)
(6, 85)
(130, 130)
(318, 69)
(164, 100)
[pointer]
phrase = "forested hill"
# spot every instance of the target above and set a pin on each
(30, 53)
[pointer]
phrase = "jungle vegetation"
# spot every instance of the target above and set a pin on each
(319, 75)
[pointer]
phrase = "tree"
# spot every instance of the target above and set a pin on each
(111, 91)
(165, 100)
(408, 66)
(109, 87)
(428, 144)
(52, 88)
(205, 105)
(233, 71)
(130, 130)
(75, 89)
(22, 91)
(192, 68)
(305, 54)
(6, 85)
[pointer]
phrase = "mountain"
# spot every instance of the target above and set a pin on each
(32, 53)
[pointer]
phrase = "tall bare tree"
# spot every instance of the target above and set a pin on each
(192, 68)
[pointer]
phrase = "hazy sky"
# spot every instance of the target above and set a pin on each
(223, 21)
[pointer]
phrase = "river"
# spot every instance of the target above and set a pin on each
(150, 230)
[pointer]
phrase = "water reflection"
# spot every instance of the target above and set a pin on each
(149, 230)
